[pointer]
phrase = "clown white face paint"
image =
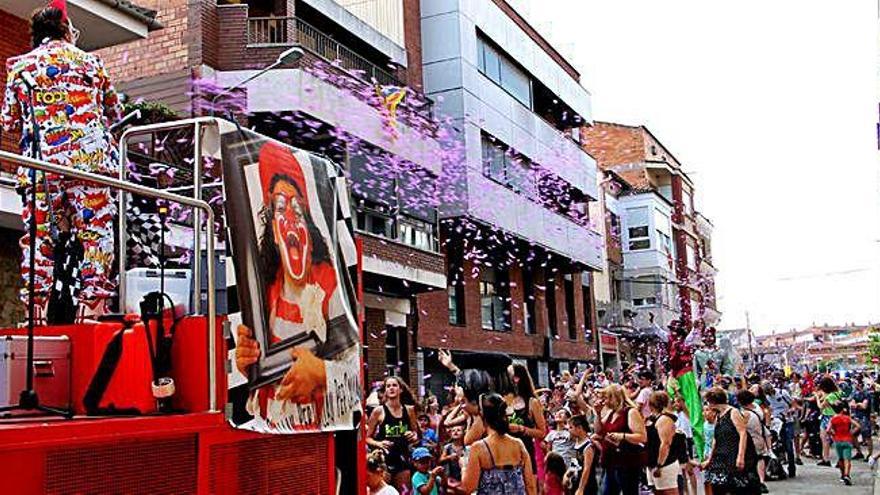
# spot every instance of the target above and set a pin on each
(291, 232)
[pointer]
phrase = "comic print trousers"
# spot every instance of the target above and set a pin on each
(88, 212)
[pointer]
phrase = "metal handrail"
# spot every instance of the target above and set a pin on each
(274, 31)
(197, 123)
(132, 188)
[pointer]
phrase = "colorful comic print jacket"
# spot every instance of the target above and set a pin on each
(73, 105)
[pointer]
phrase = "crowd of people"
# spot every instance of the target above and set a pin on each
(615, 432)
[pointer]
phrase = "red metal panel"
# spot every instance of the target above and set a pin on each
(140, 466)
(189, 358)
(270, 464)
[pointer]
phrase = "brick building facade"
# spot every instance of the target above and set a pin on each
(636, 155)
(520, 247)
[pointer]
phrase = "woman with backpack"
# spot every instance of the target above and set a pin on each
(664, 451)
(757, 431)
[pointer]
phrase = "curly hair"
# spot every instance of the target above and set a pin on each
(270, 258)
(47, 23)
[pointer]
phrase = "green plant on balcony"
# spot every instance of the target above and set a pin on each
(152, 112)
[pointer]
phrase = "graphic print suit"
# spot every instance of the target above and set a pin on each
(72, 105)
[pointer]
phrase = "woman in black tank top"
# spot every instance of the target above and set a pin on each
(392, 428)
(527, 421)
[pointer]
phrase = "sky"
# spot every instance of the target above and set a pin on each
(772, 108)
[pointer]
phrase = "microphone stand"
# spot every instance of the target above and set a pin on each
(28, 399)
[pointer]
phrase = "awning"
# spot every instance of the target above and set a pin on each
(102, 23)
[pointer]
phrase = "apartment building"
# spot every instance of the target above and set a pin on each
(707, 271)
(326, 102)
(516, 231)
(614, 310)
(102, 24)
(662, 240)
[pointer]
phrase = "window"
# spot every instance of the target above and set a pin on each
(503, 71)
(550, 300)
(644, 301)
(493, 299)
(645, 291)
(569, 307)
(528, 277)
(455, 285)
(614, 229)
(400, 206)
(637, 228)
(506, 168)
(687, 199)
(588, 305)
(561, 197)
(416, 233)
(691, 256)
(396, 360)
(664, 231)
(375, 218)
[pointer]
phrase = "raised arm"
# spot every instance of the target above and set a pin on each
(475, 431)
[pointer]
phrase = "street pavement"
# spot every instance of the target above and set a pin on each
(818, 480)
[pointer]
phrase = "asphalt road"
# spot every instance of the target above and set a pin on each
(819, 480)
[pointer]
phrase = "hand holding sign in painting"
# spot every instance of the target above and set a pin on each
(304, 381)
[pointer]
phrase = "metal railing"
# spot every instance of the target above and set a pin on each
(198, 124)
(285, 31)
(124, 186)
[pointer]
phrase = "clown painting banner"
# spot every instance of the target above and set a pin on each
(295, 364)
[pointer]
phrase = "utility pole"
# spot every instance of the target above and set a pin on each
(749, 333)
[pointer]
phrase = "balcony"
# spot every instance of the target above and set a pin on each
(102, 24)
(288, 31)
(616, 315)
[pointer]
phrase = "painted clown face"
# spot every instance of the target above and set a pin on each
(290, 230)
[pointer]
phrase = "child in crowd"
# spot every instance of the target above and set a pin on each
(559, 439)
(450, 458)
(581, 478)
(377, 475)
(429, 435)
(842, 430)
(554, 472)
(425, 481)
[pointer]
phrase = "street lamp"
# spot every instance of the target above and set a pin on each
(289, 56)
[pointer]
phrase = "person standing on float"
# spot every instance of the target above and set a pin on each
(62, 97)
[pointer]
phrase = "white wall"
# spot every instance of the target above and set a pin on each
(644, 258)
(377, 22)
(335, 107)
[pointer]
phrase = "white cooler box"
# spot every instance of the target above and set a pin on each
(142, 281)
(51, 369)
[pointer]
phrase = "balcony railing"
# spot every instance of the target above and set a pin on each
(286, 31)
